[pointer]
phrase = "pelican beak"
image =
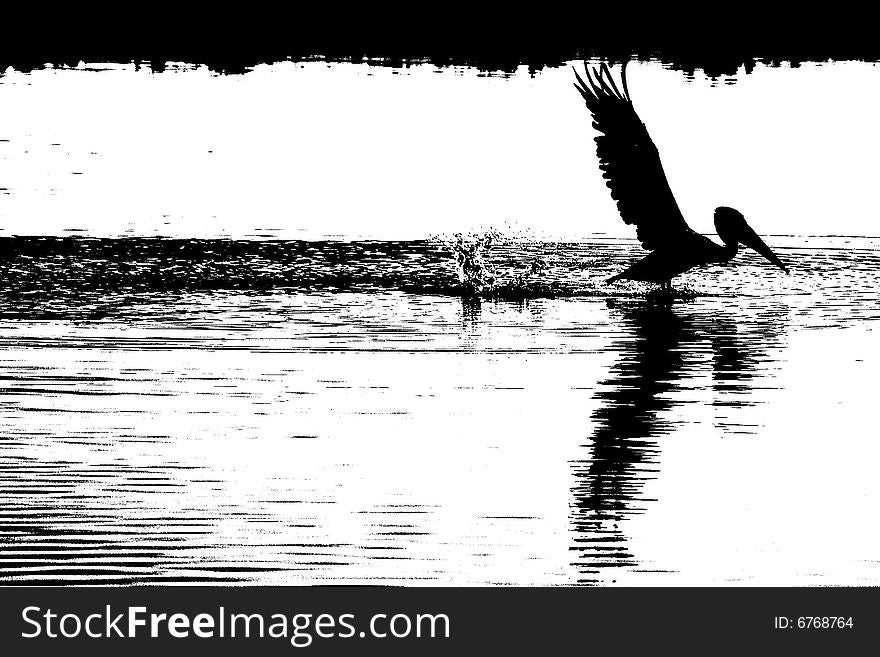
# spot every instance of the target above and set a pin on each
(752, 240)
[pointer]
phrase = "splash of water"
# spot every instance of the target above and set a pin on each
(479, 274)
(474, 273)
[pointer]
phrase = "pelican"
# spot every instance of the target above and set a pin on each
(630, 164)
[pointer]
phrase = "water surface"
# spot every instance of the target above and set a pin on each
(312, 413)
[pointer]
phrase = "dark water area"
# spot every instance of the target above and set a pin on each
(102, 276)
(479, 411)
(49, 266)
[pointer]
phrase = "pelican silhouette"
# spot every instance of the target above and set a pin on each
(630, 164)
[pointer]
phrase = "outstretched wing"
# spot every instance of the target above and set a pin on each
(630, 162)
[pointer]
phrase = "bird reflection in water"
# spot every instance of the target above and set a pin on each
(663, 348)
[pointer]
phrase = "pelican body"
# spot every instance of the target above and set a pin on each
(630, 164)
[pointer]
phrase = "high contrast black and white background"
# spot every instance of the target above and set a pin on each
(239, 345)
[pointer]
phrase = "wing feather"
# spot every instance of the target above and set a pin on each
(630, 162)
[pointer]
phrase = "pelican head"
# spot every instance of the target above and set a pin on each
(733, 229)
